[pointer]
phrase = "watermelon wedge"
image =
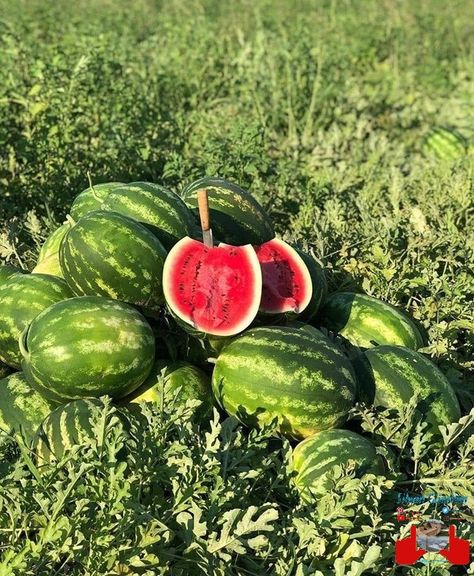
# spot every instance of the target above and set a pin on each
(213, 290)
(287, 284)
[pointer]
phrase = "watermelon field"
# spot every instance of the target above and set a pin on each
(236, 287)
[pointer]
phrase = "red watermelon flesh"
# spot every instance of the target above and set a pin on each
(215, 290)
(287, 285)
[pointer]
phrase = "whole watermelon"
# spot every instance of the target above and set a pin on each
(22, 409)
(92, 198)
(22, 297)
(445, 143)
(48, 257)
(109, 254)
(73, 424)
(297, 375)
(87, 347)
(163, 211)
(317, 454)
(236, 217)
(367, 321)
(175, 382)
(389, 376)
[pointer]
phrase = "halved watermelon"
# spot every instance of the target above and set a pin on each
(215, 290)
(287, 285)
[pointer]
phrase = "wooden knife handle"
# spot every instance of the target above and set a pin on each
(203, 204)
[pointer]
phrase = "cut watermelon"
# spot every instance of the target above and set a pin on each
(287, 285)
(215, 290)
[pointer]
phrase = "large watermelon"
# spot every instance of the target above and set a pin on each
(48, 257)
(175, 382)
(366, 321)
(22, 297)
(236, 217)
(109, 254)
(319, 453)
(212, 290)
(445, 143)
(73, 424)
(294, 374)
(92, 198)
(163, 211)
(87, 346)
(22, 409)
(389, 376)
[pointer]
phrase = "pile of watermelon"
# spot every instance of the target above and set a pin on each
(127, 301)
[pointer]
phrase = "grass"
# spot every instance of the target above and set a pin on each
(320, 109)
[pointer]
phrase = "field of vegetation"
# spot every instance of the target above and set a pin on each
(321, 110)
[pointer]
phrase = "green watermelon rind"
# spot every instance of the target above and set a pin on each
(389, 376)
(22, 408)
(91, 198)
(315, 456)
(236, 217)
(366, 321)
(22, 297)
(298, 376)
(157, 207)
(445, 143)
(111, 255)
(87, 347)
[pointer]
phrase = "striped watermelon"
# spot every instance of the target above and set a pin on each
(22, 409)
(296, 375)
(73, 424)
(109, 254)
(366, 321)
(175, 382)
(22, 297)
(7, 270)
(316, 455)
(92, 198)
(87, 347)
(163, 211)
(389, 376)
(236, 217)
(445, 143)
(48, 257)
(212, 290)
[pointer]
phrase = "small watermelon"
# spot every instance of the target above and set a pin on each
(48, 257)
(389, 376)
(22, 409)
(109, 254)
(87, 347)
(236, 217)
(445, 144)
(366, 321)
(175, 382)
(73, 424)
(163, 211)
(92, 198)
(318, 454)
(22, 297)
(7, 270)
(287, 285)
(294, 374)
(213, 290)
